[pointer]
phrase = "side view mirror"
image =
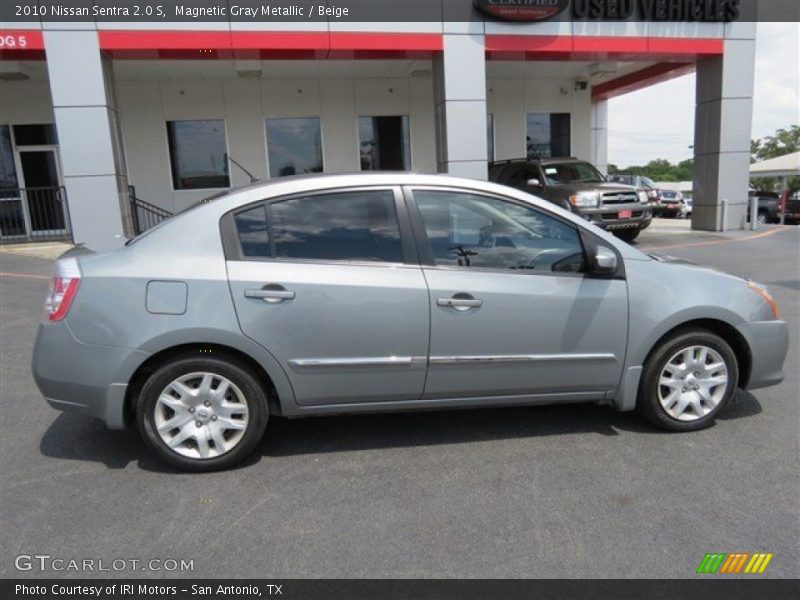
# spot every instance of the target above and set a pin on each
(605, 261)
(533, 182)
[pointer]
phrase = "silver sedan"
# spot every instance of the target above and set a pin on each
(387, 292)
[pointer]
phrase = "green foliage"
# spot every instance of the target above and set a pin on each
(785, 141)
(660, 170)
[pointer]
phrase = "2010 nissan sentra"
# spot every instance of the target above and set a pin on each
(386, 292)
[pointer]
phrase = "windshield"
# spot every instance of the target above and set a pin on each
(571, 172)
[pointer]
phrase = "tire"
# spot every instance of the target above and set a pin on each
(762, 218)
(661, 407)
(627, 235)
(234, 421)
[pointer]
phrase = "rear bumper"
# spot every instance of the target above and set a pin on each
(81, 378)
(769, 345)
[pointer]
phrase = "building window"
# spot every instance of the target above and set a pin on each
(8, 170)
(35, 135)
(384, 143)
(548, 134)
(294, 146)
(198, 154)
(490, 136)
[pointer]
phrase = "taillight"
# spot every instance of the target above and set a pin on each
(62, 290)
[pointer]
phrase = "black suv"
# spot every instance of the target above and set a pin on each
(578, 187)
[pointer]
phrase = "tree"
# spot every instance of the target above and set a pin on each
(785, 141)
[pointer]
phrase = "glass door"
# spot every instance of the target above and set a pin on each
(43, 193)
(12, 217)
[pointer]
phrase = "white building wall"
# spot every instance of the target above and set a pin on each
(25, 103)
(510, 99)
(244, 104)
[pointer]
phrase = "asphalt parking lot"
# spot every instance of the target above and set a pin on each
(570, 491)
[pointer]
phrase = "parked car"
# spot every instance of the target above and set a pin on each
(687, 203)
(792, 209)
(577, 186)
(768, 206)
(671, 204)
(639, 182)
(375, 292)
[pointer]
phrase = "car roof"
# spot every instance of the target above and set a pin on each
(542, 160)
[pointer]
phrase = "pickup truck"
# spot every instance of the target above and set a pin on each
(577, 186)
(768, 207)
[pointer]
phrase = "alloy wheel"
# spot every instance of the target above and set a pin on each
(692, 383)
(201, 415)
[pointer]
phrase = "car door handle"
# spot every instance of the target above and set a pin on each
(460, 302)
(270, 295)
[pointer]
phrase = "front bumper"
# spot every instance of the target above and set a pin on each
(607, 216)
(82, 378)
(769, 344)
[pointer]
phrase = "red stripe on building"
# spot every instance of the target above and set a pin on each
(640, 79)
(545, 47)
(267, 44)
(21, 44)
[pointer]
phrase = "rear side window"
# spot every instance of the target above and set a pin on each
(251, 225)
(346, 226)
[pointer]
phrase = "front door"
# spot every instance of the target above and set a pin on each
(326, 283)
(512, 313)
(43, 194)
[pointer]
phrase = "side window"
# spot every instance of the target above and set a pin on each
(351, 226)
(472, 231)
(251, 225)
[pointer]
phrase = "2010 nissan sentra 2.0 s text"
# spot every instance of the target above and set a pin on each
(376, 292)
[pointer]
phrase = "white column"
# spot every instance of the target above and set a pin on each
(599, 120)
(459, 80)
(723, 122)
(82, 86)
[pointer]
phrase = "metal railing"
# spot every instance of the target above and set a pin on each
(144, 215)
(34, 214)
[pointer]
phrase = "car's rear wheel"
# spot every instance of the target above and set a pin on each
(687, 381)
(762, 218)
(202, 414)
(627, 235)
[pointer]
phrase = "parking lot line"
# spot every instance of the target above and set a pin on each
(24, 275)
(712, 242)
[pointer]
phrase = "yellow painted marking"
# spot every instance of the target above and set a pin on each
(767, 558)
(712, 242)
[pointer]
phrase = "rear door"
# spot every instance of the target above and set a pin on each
(330, 284)
(512, 312)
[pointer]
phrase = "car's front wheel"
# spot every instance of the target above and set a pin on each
(687, 381)
(627, 235)
(202, 414)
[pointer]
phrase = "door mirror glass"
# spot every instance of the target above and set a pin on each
(605, 261)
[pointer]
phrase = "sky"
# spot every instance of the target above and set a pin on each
(658, 122)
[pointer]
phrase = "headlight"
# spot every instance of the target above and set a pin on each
(764, 293)
(585, 199)
(643, 197)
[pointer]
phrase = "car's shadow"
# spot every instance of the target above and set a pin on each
(72, 437)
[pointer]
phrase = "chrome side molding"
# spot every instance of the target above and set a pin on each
(356, 362)
(516, 358)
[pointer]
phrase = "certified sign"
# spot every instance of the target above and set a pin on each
(521, 10)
